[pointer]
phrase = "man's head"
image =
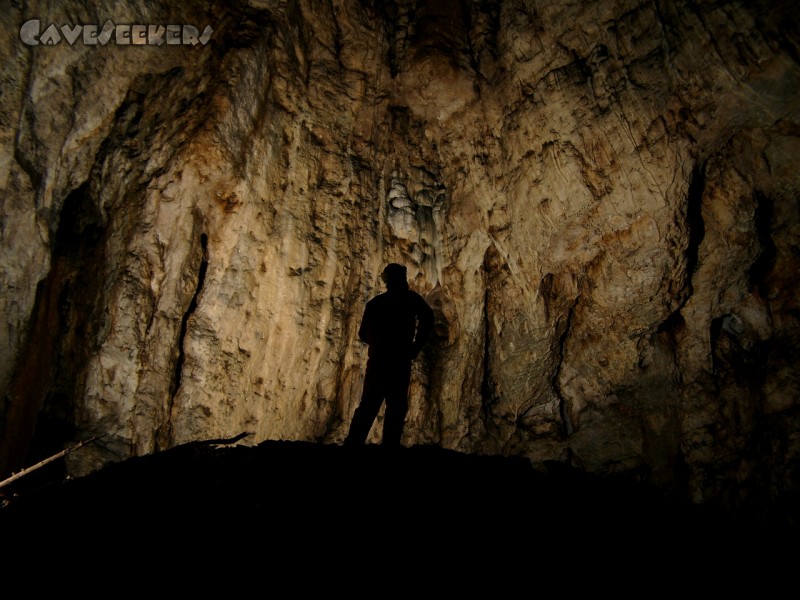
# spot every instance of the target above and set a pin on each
(394, 276)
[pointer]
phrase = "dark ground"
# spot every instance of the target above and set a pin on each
(342, 509)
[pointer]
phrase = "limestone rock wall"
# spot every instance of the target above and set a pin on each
(600, 201)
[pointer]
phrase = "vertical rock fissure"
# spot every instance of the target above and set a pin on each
(694, 221)
(566, 422)
(697, 231)
(765, 260)
(201, 276)
(487, 391)
(34, 175)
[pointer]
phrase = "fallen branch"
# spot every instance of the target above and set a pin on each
(232, 440)
(46, 461)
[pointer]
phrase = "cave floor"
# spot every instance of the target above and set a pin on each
(339, 504)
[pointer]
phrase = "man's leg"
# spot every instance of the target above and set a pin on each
(371, 400)
(396, 405)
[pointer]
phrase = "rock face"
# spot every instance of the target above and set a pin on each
(600, 201)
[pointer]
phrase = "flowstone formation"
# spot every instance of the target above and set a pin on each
(599, 199)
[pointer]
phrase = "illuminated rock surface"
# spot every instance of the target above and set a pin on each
(600, 201)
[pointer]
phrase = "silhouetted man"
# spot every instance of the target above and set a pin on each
(396, 324)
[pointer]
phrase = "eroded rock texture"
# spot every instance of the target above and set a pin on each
(599, 199)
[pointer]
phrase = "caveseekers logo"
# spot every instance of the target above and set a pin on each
(31, 34)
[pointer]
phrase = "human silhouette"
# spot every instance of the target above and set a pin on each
(396, 325)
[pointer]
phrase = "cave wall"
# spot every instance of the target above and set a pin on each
(600, 201)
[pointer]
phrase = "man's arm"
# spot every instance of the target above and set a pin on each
(424, 326)
(365, 330)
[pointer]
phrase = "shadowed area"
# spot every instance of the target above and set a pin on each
(308, 497)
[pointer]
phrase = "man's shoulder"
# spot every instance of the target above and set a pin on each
(410, 296)
(377, 302)
(406, 297)
(417, 297)
(377, 299)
